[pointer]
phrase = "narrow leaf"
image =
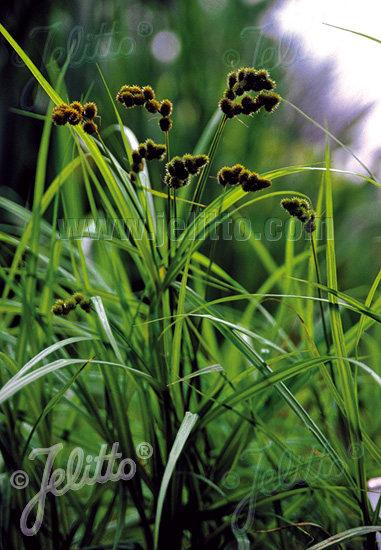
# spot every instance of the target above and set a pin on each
(178, 445)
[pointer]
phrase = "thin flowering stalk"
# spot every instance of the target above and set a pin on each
(321, 303)
(167, 146)
(211, 261)
(205, 172)
(301, 209)
(214, 244)
(169, 207)
(174, 204)
(169, 189)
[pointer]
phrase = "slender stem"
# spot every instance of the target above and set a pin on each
(168, 223)
(321, 305)
(167, 145)
(169, 207)
(371, 543)
(213, 249)
(205, 171)
(279, 513)
(209, 270)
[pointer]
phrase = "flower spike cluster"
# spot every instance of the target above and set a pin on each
(248, 80)
(148, 151)
(180, 169)
(74, 114)
(301, 209)
(133, 96)
(238, 175)
(62, 307)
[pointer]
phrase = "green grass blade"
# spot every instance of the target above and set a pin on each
(328, 134)
(177, 447)
(44, 353)
(97, 301)
(368, 302)
(51, 404)
(347, 385)
(354, 32)
(205, 370)
(344, 536)
(248, 351)
(31, 66)
(348, 301)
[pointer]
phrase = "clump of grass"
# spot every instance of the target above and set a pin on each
(237, 404)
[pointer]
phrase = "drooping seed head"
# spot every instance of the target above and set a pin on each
(165, 107)
(127, 98)
(152, 106)
(194, 163)
(243, 176)
(250, 79)
(86, 305)
(59, 114)
(77, 107)
(269, 101)
(189, 164)
(142, 150)
(264, 183)
(137, 167)
(229, 94)
(58, 308)
(73, 116)
(139, 99)
(299, 208)
(232, 79)
(70, 304)
(148, 93)
(78, 297)
(176, 167)
(174, 182)
(136, 157)
(154, 151)
(200, 161)
(235, 173)
(255, 183)
(136, 90)
(249, 105)
(226, 106)
(90, 110)
(262, 81)
(241, 75)
(223, 176)
(236, 108)
(90, 127)
(165, 124)
(160, 151)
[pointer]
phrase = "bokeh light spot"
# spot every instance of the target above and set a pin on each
(166, 46)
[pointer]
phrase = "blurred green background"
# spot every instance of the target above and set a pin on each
(184, 50)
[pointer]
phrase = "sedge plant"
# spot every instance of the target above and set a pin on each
(254, 431)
